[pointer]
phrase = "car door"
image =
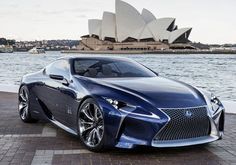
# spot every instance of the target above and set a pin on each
(54, 89)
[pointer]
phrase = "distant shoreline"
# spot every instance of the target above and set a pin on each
(152, 52)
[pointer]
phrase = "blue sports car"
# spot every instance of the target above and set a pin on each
(114, 101)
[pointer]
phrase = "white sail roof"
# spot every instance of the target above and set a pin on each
(159, 28)
(177, 33)
(162, 23)
(146, 33)
(129, 22)
(95, 27)
(148, 16)
(108, 25)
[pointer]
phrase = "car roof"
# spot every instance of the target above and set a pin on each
(101, 57)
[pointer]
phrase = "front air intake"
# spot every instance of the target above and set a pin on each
(185, 124)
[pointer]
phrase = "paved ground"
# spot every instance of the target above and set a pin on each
(42, 143)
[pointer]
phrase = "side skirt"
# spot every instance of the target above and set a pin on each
(67, 129)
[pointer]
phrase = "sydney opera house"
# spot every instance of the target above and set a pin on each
(128, 29)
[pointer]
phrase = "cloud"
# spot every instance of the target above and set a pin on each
(13, 5)
(82, 16)
(74, 10)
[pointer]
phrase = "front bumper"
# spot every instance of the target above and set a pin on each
(215, 133)
(144, 132)
(184, 142)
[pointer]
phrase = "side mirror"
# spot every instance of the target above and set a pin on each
(60, 79)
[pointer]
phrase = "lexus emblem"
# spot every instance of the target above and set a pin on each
(188, 114)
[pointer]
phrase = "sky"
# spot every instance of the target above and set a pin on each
(213, 21)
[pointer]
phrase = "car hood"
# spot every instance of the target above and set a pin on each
(162, 92)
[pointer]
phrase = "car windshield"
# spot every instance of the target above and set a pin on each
(100, 68)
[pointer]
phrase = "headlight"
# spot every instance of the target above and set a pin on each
(212, 101)
(127, 108)
(216, 104)
(119, 105)
(115, 103)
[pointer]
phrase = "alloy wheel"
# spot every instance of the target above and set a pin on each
(23, 103)
(91, 125)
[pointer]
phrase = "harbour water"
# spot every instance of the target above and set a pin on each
(216, 73)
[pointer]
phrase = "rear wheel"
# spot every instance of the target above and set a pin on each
(91, 125)
(24, 105)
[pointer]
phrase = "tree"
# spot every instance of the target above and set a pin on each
(3, 41)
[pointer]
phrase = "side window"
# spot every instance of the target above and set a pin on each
(81, 66)
(60, 67)
(113, 68)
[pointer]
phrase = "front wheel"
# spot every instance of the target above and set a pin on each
(91, 125)
(24, 105)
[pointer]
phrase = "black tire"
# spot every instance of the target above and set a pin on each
(97, 124)
(24, 105)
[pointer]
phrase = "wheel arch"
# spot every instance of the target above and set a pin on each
(21, 85)
(81, 102)
(30, 118)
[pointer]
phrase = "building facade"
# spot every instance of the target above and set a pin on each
(128, 29)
